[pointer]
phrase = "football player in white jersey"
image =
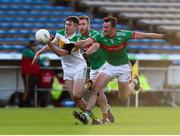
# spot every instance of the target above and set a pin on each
(73, 64)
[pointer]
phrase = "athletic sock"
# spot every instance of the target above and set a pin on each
(90, 114)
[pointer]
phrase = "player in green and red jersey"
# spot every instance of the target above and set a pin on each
(95, 66)
(113, 42)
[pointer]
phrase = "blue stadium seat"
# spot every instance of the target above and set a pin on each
(147, 41)
(96, 20)
(47, 25)
(34, 2)
(43, 20)
(16, 39)
(7, 7)
(21, 18)
(145, 47)
(132, 47)
(40, 14)
(14, 47)
(33, 20)
(30, 26)
(21, 32)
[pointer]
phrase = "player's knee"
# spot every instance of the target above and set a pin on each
(101, 93)
(76, 96)
(95, 90)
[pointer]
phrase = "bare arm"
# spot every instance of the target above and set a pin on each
(57, 51)
(139, 35)
(37, 55)
(92, 49)
(44, 49)
(83, 43)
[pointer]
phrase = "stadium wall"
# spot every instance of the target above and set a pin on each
(155, 71)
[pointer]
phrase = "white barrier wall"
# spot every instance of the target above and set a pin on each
(11, 80)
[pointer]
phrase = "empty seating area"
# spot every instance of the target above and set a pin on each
(20, 19)
(147, 12)
(160, 16)
(29, 2)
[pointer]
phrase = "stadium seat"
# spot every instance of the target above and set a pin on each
(32, 20)
(17, 48)
(98, 3)
(14, 20)
(166, 10)
(136, 15)
(160, 41)
(6, 7)
(39, 14)
(162, 48)
(32, 2)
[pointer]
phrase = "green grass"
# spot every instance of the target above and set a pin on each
(156, 120)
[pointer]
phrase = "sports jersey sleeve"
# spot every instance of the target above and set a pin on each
(96, 38)
(129, 35)
(55, 40)
(60, 39)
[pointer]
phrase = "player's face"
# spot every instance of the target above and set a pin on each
(83, 26)
(107, 29)
(70, 27)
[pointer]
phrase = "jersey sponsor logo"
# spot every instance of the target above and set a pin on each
(119, 39)
(114, 47)
(120, 34)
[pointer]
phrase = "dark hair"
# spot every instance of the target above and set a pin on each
(32, 43)
(84, 17)
(113, 20)
(73, 19)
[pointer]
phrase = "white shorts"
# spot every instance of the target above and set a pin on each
(121, 72)
(94, 73)
(78, 73)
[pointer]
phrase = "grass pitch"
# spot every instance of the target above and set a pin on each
(47, 121)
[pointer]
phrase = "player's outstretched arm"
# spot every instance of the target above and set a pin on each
(37, 55)
(83, 43)
(58, 51)
(93, 48)
(140, 35)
